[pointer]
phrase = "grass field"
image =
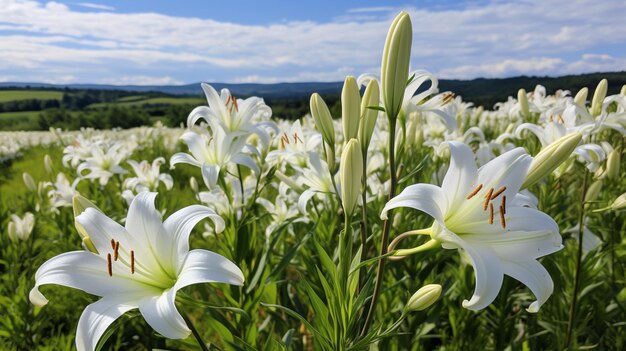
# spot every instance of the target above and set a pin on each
(22, 120)
(138, 101)
(17, 95)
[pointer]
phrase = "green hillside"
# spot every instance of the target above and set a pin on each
(19, 95)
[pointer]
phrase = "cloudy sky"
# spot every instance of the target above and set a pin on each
(179, 42)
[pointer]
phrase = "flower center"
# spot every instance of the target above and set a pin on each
(492, 195)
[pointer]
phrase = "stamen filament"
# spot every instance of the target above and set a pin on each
(487, 199)
(109, 265)
(471, 195)
(497, 193)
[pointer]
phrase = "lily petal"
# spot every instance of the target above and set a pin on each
(81, 270)
(161, 314)
(488, 273)
(427, 198)
(180, 224)
(96, 318)
(532, 274)
(461, 176)
(202, 266)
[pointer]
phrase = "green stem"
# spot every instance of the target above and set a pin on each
(386, 227)
(195, 332)
(581, 219)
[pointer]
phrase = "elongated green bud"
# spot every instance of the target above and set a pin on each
(350, 108)
(29, 181)
(323, 119)
(613, 163)
(593, 191)
(581, 97)
(598, 97)
(369, 115)
(619, 203)
(80, 204)
(550, 157)
(351, 172)
(394, 70)
(424, 297)
(523, 103)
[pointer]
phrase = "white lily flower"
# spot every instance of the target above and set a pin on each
(63, 192)
(234, 115)
(481, 212)
(294, 143)
(103, 164)
(213, 152)
(141, 265)
(148, 176)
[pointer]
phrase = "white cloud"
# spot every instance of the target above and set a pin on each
(96, 6)
(371, 9)
(141, 80)
(495, 39)
(542, 65)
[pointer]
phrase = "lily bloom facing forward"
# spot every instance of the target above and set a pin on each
(141, 265)
(482, 213)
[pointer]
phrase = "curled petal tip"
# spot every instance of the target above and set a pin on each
(37, 298)
(533, 308)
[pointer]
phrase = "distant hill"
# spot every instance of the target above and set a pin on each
(481, 91)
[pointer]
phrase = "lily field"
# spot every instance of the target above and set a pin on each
(412, 221)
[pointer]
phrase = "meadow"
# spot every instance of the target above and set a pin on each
(404, 219)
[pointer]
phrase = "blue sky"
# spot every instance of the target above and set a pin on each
(180, 42)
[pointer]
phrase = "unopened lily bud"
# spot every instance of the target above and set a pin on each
(623, 91)
(593, 191)
(12, 232)
(523, 103)
(550, 157)
(193, 183)
(424, 297)
(394, 70)
(351, 173)
(21, 228)
(29, 182)
(581, 97)
(369, 115)
(289, 181)
(47, 162)
(323, 119)
(350, 108)
(619, 203)
(80, 204)
(613, 164)
(598, 97)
